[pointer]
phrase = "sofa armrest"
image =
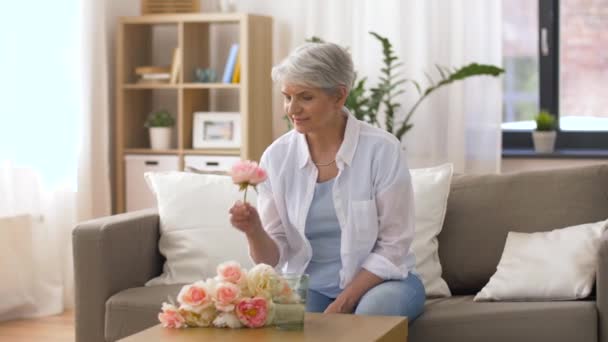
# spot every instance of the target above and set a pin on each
(111, 254)
(601, 289)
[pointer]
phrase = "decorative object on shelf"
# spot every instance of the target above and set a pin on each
(153, 74)
(544, 135)
(205, 75)
(175, 65)
(216, 130)
(227, 6)
(231, 61)
(169, 6)
(160, 125)
(238, 298)
(365, 103)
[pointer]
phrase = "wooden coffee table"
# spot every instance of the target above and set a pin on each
(317, 327)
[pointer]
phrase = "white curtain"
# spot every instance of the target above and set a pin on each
(460, 123)
(54, 168)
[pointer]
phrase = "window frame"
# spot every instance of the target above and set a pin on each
(548, 19)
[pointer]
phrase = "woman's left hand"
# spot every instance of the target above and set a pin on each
(342, 304)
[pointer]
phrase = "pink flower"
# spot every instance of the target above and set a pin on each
(253, 312)
(247, 172)
(170, 317)
(195, 297)
(231, 271)
(226, 295)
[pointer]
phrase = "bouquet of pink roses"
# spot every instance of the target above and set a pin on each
(235, 298)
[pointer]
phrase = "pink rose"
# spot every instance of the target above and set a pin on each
(231, 271)
(170, 317)
(226, 295)
(195, 297)
(253, 312)
(247, 172)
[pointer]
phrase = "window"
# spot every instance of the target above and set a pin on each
(41, 88)
(555, 59)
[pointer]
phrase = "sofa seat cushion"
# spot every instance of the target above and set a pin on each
(459, 319)
(136, 309)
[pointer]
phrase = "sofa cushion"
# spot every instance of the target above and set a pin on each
(431, 190)
(136, 309)
(196, 234)
(555, 265)
(482, 209)
(459, 319)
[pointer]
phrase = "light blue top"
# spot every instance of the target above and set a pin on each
(323, 232)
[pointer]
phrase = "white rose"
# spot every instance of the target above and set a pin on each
(263, 281)
(227, 319)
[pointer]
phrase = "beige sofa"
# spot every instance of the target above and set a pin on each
(115, 256)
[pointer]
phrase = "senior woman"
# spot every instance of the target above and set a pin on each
(338, 202)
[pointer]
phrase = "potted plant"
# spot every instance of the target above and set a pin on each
(365, 102)
(160, 125)
(544, 135)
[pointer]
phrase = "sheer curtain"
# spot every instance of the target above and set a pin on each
(53, 147)
(460, 123)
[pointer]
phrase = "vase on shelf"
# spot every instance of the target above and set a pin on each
(160, 138)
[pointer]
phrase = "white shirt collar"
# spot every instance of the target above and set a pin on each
(347, 148)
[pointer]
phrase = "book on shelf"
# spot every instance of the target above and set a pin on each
(159, 76)
(175, 65)
(230, 63)
(152, 69)
(236, 77)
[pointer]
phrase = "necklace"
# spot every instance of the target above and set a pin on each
(327, 164)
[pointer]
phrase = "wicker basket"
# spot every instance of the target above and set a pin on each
(169, 6)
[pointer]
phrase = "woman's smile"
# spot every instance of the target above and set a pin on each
(299, 120)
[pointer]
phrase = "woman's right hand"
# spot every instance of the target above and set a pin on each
(245, 218)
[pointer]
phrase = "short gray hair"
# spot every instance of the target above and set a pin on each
(322, 65)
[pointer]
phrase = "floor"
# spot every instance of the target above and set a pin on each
(58, 328)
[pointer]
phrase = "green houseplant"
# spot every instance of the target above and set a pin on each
(365, 103)
(159, 124)
(544, 135)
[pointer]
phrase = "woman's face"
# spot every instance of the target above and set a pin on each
(311, 109)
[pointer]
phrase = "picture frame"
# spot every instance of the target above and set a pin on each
(216, 130)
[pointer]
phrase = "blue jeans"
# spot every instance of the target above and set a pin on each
(391, 298)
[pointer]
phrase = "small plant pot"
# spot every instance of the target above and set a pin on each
(544, 142)
(160, 138)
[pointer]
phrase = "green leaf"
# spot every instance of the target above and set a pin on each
(545, 121)
(160, 118)
(429, 78)
(315, 39)
(441, 72)
(475, 69)
(288, 122)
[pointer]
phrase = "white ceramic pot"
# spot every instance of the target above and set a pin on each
(544, 141)
(160, 138)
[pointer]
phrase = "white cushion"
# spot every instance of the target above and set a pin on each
(555, 265)
(196, 234)
(431, 190)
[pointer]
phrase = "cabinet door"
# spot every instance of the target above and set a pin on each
(139, 196)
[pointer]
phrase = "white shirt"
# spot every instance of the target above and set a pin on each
(372, 195)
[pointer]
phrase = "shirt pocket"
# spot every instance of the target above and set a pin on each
(364, 221)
